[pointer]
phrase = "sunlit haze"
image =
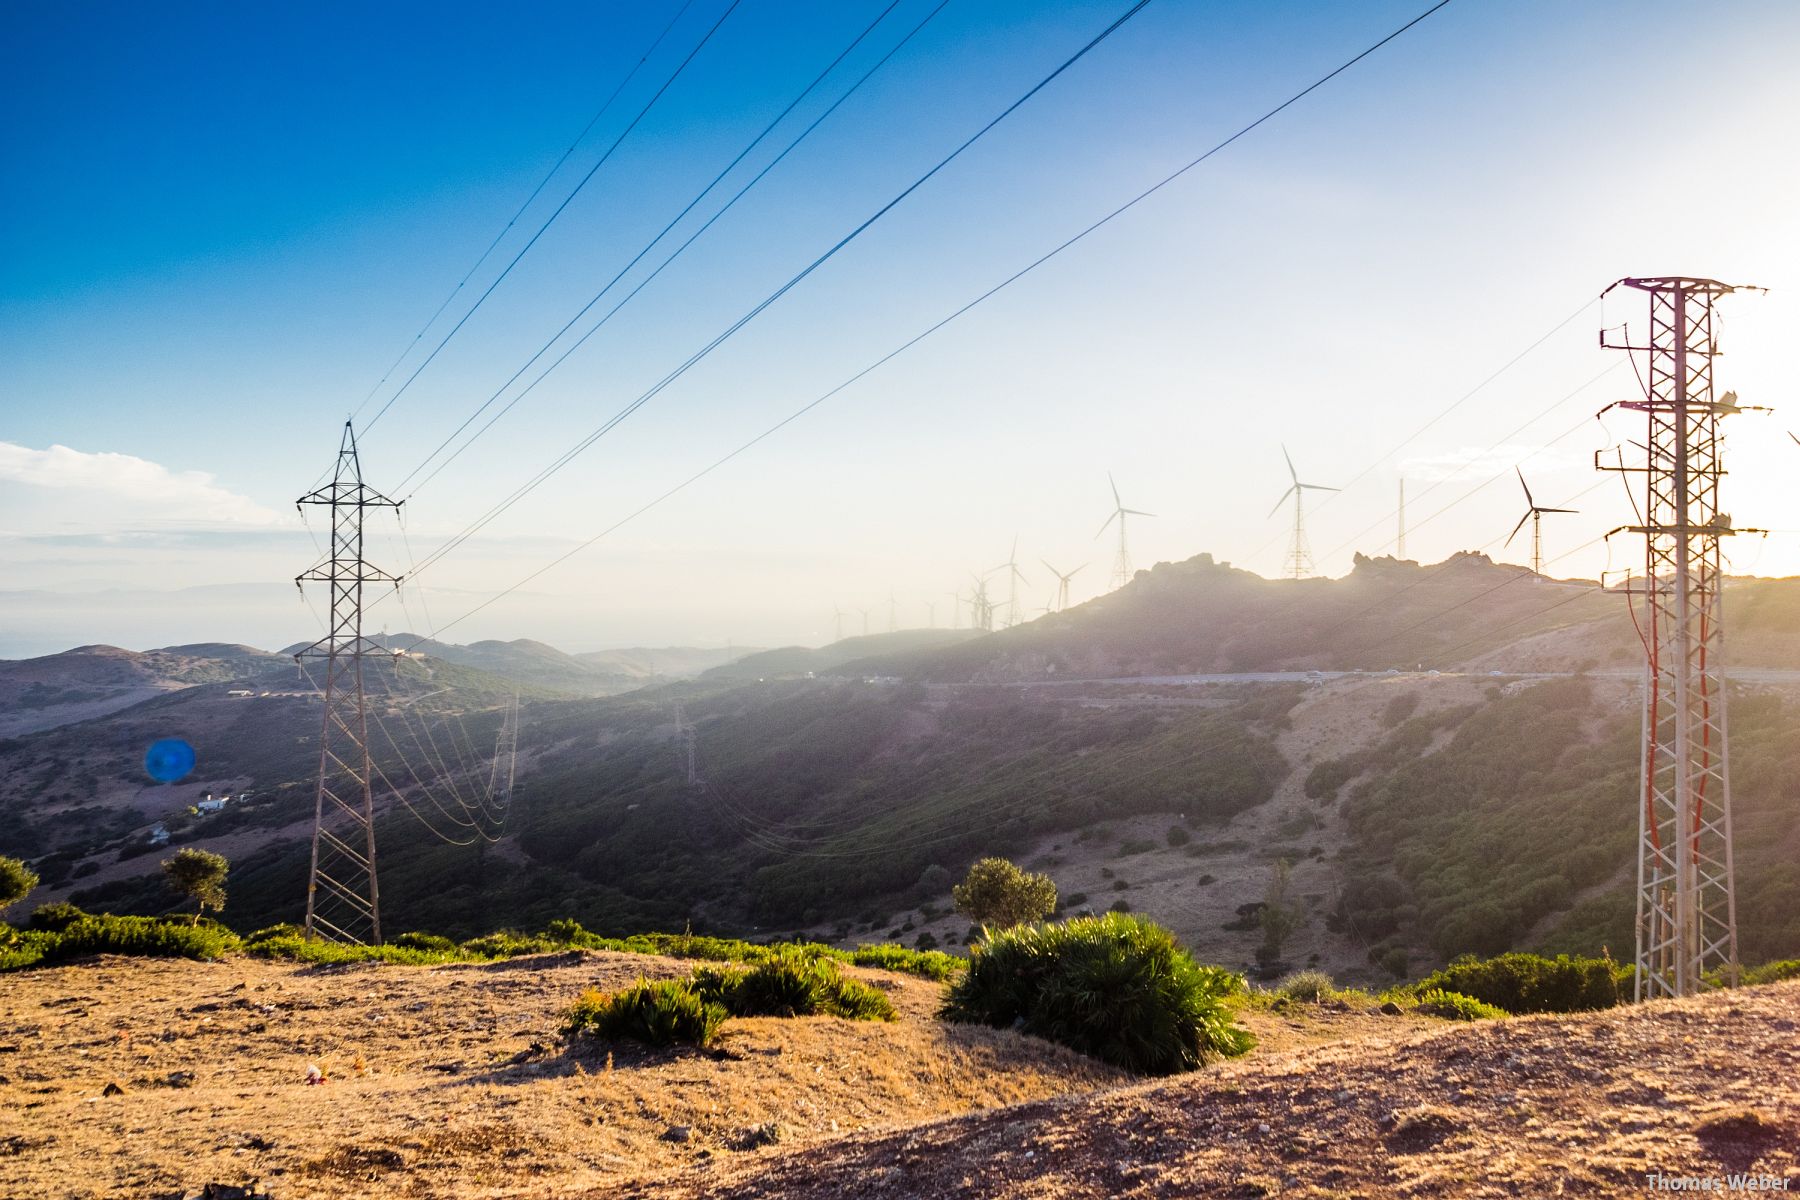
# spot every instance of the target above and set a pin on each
(200, 281)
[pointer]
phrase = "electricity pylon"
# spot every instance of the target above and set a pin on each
(1686, 896)
(684, 735)
(1299, 562)
(981, 609)
(343, 902)
(506, 749)
(1534, 512)
(1121, 564)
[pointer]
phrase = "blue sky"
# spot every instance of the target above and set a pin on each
(219, 224)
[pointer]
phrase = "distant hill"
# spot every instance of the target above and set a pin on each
(90, 681)
(642, 664)
(538, 665)
(1205, 617)
(791, 662)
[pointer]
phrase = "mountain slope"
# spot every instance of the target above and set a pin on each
(1201, 617)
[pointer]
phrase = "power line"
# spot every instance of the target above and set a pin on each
(651, 244)
(934, 328)
(569, 455)
(551, 219)
(529, 200)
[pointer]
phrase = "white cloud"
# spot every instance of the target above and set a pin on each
(131, 492)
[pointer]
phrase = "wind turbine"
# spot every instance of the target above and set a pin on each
(956, 600)
(1299, 562)
(1534, 513)
(1062, 584)
(1121, 566)
(865, 617)
(1013, 576)
(838, 614)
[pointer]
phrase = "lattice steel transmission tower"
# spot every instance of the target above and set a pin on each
(506, 750)
(688, 746)
(1686, 899)
(343, 902)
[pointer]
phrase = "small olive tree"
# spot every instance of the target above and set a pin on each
(997, 892)
(198, 875)
(16, 882)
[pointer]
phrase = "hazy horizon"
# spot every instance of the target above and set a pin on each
(177, 357)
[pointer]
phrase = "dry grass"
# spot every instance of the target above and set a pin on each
(1586, 1105)
(443, 1081)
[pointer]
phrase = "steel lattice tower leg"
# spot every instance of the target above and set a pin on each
(343, 902)
(1686, 899)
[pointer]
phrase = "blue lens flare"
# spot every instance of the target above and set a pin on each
(168, 760)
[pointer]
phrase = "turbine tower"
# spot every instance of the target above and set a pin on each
(1686, 894)
(1534, 513)
(1062, 583)
(865, 617)
(1122, 564)
(838, 617)
(1299, 561)
(956, 600)
(343, 902)
(1013, 578)
(1400, 536)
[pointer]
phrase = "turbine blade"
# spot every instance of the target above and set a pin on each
(1109, 521)
(1283, 500)
(1115, 488)
(1071, 574)
(1293, 474)
(1319, 487)
(1050, 568)
(1567, 510)
(1528, 500)
(1516, 528)
(1137, 512)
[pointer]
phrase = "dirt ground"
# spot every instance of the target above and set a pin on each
(453, 1081)
(442, 1081)
(1590, 1105)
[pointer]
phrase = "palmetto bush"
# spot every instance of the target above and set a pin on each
(792, 984)
(1116, 987)
(1454, 1006)
(665, 1013)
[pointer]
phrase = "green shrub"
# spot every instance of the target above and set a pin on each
(1530, 983)
(507, 943)
(140, 936)
(927, 964)
(791, 985)
(1325, 779)
(416, 940)
(1454, 1006)
(1177, 836)
(1116, 987)
(1120, 905)
(1311, 986)
(280, 932)
(1773, 972)
(54, 918)
(1131, 846)
(666, 1013)
(996, 892)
